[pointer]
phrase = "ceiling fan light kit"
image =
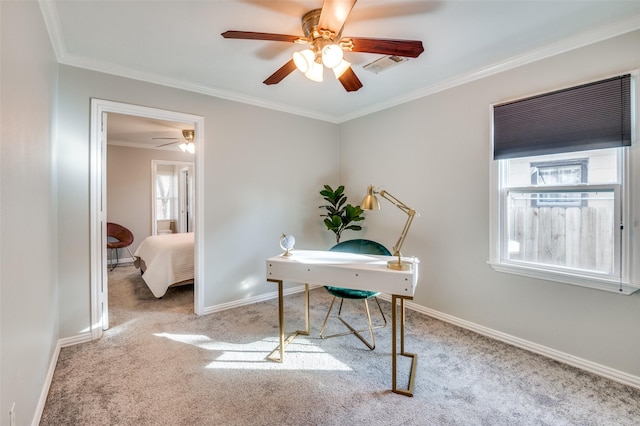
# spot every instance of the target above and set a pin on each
(303, 60)
(323, 49)
(315, 72)
(322, 30)
(332, 55)
(186, 144)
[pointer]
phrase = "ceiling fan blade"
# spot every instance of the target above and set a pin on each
(350, 80)
(383, 46)
(396, 8)
(166, 144)
(334, 14)
(279, 75)
(248, 35)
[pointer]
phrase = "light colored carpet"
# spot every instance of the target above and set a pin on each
(159, 364)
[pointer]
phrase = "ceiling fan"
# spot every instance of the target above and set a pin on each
(322, 30)
(186, 142)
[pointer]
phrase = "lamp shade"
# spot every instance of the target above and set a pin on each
(188, 147)
(370, 201)
(315, 72)
(331, 55)
(304, 60)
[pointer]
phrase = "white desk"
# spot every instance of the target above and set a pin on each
(347, 270)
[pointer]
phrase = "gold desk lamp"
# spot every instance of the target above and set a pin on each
(370, 202)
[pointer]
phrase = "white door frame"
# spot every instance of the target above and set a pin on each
(98, 203)
(185, 202)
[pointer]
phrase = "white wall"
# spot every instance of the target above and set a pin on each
(260, 180)
(28, 258)
(433, 154)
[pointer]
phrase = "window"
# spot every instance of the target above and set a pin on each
(561, 221)
(165, 198)
(559, 208)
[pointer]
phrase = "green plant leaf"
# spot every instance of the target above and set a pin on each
(329, 224)
(338, 214)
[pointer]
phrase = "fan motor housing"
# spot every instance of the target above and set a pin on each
(310, 24)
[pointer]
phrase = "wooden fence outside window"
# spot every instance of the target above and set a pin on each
(573, 237)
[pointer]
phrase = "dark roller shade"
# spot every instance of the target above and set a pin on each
(591, 116)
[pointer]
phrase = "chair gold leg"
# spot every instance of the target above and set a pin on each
(113, 266)
(324, 324)
(371, 345)
(352, 330)
(131, 254)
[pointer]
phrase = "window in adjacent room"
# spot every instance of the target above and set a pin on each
(165, 194)
(561, 185)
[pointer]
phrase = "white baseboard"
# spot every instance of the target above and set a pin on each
(121, 260)
(251, 300)
(69, 341)
(47, 384)
(74, 340)
(583, 364)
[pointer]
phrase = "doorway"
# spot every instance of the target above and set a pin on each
(98, 203)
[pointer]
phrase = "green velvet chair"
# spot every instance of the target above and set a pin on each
(361, 247)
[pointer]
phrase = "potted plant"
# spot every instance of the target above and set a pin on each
(339, 215)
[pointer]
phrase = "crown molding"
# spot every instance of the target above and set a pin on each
(53, 25)
(592, 36)
(112, 69)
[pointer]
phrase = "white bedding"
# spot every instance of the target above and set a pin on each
(168, 260)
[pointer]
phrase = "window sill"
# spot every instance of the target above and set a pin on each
(604, 284)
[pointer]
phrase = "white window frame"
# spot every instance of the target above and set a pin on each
(626, 248)
(171, 199)
(619, 282)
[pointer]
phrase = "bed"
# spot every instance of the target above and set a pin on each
(166, 261)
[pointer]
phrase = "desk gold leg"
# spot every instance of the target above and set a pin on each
(284, 343)
(414, 357)
(306, 310)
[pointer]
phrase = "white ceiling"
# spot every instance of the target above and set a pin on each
(143, 132)
(178, 43)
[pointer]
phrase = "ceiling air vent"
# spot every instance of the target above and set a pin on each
(384, 63)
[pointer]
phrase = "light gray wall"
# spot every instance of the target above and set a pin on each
(129, 187)
(260, 179)
(434, 154)
(28, 271)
